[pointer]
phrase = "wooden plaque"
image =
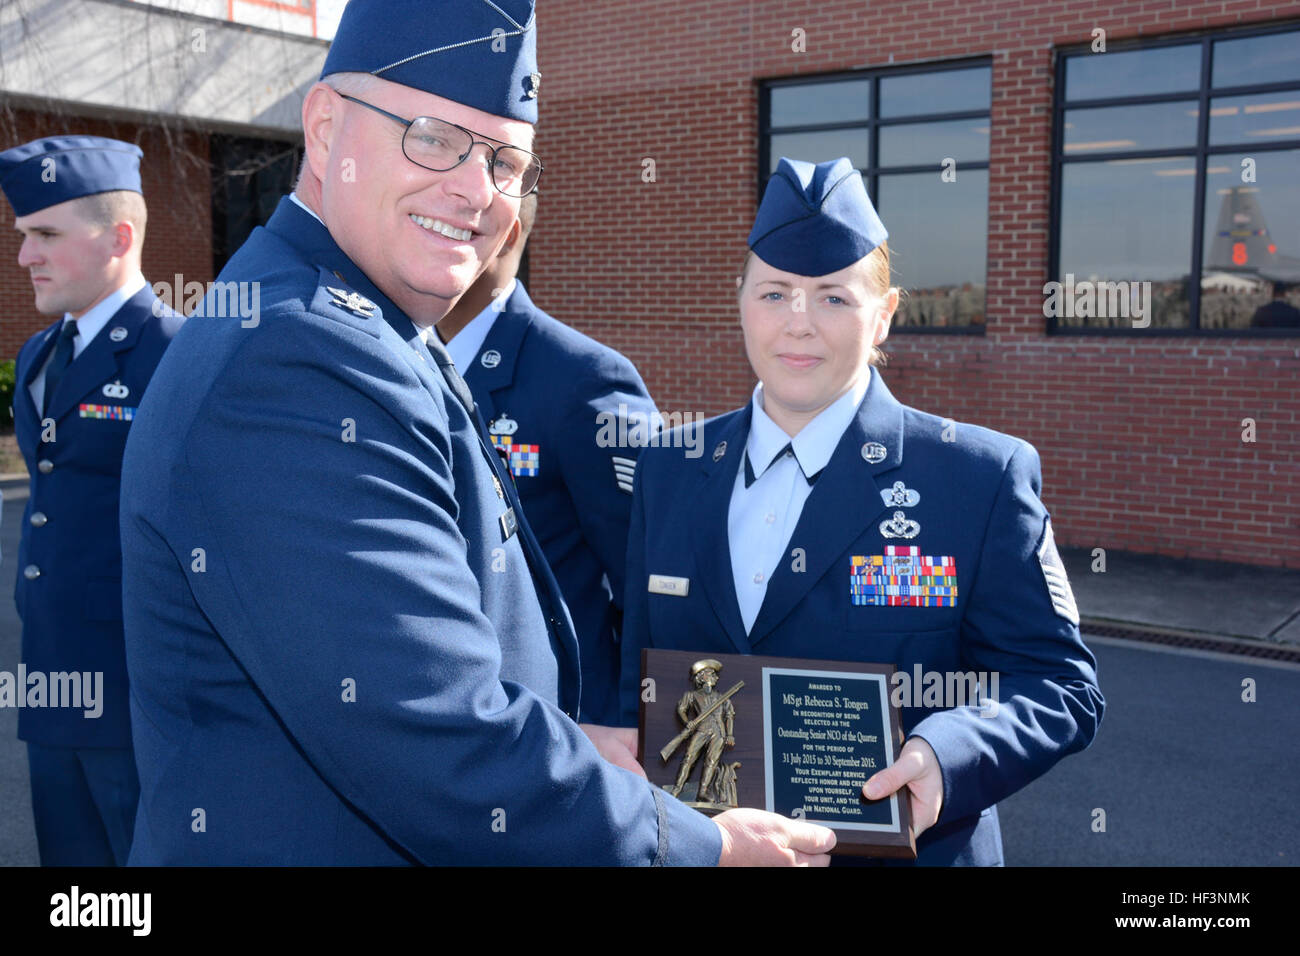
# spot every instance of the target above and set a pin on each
(807, 735)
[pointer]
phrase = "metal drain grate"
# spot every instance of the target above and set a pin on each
(1272, 652)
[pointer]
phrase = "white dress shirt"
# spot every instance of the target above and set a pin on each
(88, 326)
(762, 517)
(464, 345)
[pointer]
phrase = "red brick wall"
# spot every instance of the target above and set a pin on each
(178, 238)
(1140, 438)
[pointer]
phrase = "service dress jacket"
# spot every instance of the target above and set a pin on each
(901, 483)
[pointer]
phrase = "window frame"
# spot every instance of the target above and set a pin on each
(873, 171)
(1200, 154)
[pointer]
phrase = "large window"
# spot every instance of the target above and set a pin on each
(920, 138)
(1176, 171)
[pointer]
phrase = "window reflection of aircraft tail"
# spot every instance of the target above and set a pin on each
(1241, 246)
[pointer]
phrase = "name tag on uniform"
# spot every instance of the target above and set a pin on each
(666, 584)
(509, 524)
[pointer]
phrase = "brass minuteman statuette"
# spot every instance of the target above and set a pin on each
(710, 732)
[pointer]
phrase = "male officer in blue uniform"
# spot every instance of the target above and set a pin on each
(826, 520)
(78, 204)
(344, 643)
(548, 393)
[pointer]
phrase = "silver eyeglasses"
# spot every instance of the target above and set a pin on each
(440, 146)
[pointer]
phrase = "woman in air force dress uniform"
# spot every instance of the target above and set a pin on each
(827, 520)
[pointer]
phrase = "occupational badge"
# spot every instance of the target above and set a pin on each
(900, 526)
(900, 496)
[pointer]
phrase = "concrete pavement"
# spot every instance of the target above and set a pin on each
(17, 838)
(1186, 769)
(1202, 597)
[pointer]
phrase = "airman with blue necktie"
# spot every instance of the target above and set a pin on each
(79, 206)
(550, 396)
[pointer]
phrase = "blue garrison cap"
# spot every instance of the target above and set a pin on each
(815, 220)
(46, 172)
(482, 53)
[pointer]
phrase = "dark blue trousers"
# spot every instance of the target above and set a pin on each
(84, 802)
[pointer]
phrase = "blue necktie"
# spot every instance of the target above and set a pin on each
(460, 388)
(60, 362)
